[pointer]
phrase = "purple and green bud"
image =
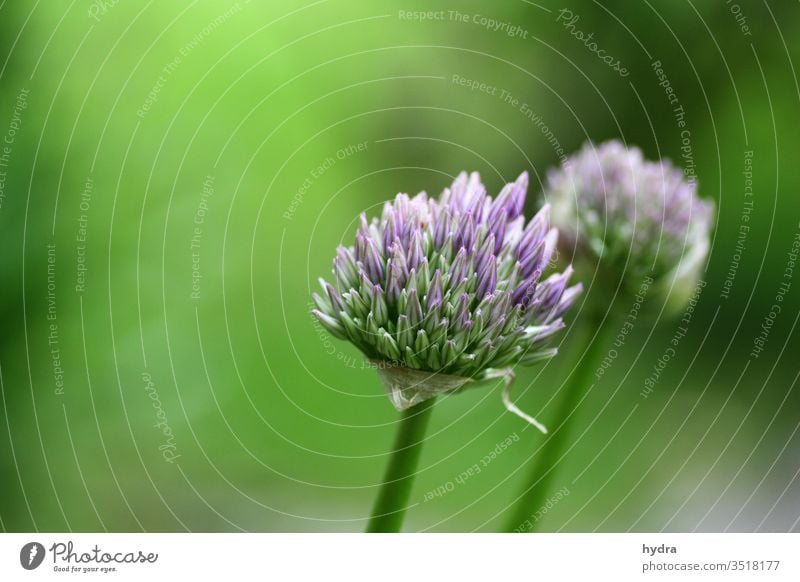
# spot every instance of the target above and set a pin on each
(453, 285)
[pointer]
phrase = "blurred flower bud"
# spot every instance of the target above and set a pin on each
(631, 218)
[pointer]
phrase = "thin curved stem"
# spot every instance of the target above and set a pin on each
(543, 469)
(390, 506)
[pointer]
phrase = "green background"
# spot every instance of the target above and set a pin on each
(281, 428)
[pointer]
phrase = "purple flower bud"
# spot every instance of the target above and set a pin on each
(487, 278)
(465, 235)
(398, 273)
(415, 253)
(524, 292)
(566, 300)
(498, 229)
(390, 232)
(460, 268)
(442, 228)
(484, 253)
(552, 292)
(517, 199)
(373, 263)
(335, 298)
(501, 306)
(414, 309)
(462, 314)
(534, 233)
(434, 296)
(473, 306)
(538, 258)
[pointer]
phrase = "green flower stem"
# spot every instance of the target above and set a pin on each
(543, 468)
(390, 506)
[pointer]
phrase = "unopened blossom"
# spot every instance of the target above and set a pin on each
(637, 217)
(455, 286)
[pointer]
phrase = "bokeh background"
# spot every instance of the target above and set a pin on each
(176, 175)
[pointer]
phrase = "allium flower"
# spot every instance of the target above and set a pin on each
(611, 204)
(453, 286)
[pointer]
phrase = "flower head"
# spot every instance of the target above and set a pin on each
(612, 205)
(454, 286)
